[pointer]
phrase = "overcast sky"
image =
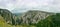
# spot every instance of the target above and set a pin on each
(46, 5)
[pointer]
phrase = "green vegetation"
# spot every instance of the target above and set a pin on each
(51, 21)
(3, 23)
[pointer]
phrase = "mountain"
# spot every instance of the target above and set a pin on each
(34, 16)
(7, 16)
(50, 21)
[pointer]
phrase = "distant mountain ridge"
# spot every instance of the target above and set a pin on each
(18, 11)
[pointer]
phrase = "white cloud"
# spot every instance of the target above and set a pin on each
(10, 6)
(47, 5)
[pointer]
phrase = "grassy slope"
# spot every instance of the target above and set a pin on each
(3, 23)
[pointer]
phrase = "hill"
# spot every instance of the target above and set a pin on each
(30, 18)
(7, 19)
(7, 16)
(50, 21)
(34, 16)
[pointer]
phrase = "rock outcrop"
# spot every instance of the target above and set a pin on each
(34, 16)
(7, 16)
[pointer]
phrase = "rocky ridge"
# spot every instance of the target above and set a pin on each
(34, 16)
(30, 17)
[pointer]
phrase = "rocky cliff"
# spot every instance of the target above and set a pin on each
(7, 16)
(34, 16)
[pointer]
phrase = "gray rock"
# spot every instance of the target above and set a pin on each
(7, 16)
(34, 16)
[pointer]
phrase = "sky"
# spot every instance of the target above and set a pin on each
(45, 5)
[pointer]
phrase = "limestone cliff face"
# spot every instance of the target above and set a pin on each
(34, 16)
(7, 15)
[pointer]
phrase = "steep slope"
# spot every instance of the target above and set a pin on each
(7, 16)
(34, 16)
(3, 23)
(50, 21)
